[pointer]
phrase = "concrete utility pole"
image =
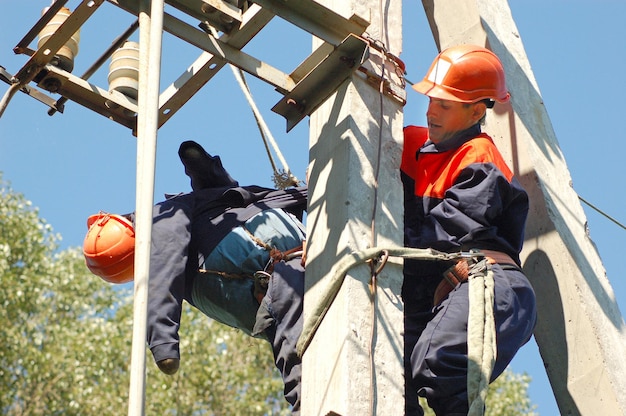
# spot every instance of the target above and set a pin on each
(353, 365)
(580, 332)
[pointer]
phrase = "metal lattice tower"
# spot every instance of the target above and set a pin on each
(342, 52)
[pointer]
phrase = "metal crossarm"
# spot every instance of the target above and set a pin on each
(46, 52)
(111, 104)
(22, 46)
(307, 86)
(228, 53)
(322, 81)
(207, 66)
(222, 15)
(316, 19)
(33, 92)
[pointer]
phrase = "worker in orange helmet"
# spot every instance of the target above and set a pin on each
(232, 252)
(459, 196)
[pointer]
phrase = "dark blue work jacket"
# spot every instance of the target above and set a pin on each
(460, 194)
(186, 229)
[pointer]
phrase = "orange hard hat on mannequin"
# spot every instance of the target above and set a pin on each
(109, 247)
(465, 73)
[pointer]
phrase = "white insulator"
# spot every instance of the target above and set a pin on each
(124, 70)
(67, 52)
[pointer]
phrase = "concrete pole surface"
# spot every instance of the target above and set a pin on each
(580, 333)
(353, 365)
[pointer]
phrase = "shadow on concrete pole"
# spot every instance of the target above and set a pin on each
(580, 331)
(353, 365)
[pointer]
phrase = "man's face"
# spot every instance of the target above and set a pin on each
(446, 118)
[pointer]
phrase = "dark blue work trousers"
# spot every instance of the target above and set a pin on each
(280, 318)
(435, 349)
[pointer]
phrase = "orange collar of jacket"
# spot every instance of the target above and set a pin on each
(436, 172)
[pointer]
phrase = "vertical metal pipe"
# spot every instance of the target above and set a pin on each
(150, 38)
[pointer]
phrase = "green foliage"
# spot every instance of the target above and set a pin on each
(222, 372)
(67, 339)
(507, 396)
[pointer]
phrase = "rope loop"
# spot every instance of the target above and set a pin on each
(378, 264)
(481, 325)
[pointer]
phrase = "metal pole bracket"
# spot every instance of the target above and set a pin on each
(319, 84)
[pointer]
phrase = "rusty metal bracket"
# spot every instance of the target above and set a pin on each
(390, 81)
(390, 88)
(343, 51)
(33, 92)
(316, 86)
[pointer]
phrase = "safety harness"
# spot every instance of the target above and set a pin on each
(473, 266)
(262, 277)
(459, 272)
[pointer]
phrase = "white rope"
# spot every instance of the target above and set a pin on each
(266, 134)
(282, 179)
(481, 339)
(337, 275)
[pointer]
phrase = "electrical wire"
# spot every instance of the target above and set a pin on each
(375, 268)
(282, 179)
(6, 98)
(601, 212)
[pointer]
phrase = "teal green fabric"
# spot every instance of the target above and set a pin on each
(227, 300)
(230, 300)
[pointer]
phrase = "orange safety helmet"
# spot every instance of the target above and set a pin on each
(465, 73)
(109, 247)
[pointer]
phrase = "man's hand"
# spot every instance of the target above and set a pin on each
(169, 365)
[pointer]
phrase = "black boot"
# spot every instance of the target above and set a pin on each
(205, 171)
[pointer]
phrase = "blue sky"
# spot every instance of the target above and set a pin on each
(77, 163)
